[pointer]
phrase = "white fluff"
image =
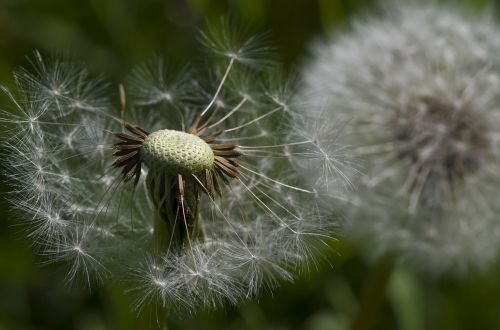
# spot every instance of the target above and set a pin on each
(415, 54)
(79, 211)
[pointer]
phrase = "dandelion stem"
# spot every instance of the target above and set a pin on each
(373, 295)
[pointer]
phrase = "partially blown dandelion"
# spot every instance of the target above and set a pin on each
(187, 190)
(422, 85)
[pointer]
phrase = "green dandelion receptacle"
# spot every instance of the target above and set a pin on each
(177, 152)
(181, 165)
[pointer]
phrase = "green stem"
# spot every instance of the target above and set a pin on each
(176, 222)
(373, 296)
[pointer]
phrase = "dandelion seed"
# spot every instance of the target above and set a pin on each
(189, 190)
(422, 88)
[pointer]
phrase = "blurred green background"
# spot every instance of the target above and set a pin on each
(114, 35)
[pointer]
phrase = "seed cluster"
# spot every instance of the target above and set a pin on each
(444, 142)
(419, 86)
(212, 211)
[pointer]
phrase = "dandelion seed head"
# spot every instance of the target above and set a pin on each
(189, 191)
(420, 86)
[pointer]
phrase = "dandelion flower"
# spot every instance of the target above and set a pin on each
(421, 86)
(184, 188)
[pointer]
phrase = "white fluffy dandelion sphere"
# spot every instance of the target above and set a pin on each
(420, 86)
(185, 190)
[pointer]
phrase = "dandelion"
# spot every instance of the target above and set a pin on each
(422, 88)
(188, 189)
